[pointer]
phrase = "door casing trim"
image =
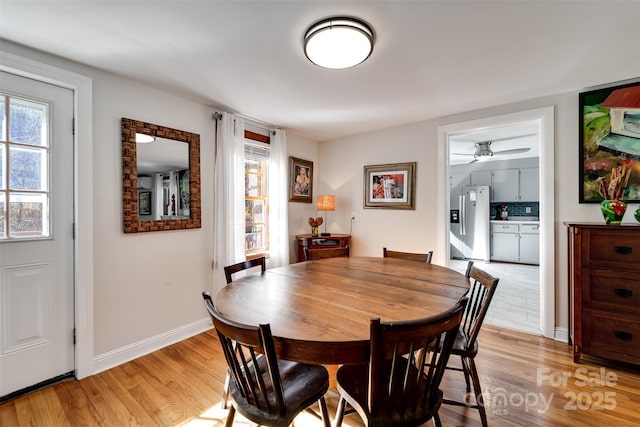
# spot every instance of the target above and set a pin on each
(545, 118)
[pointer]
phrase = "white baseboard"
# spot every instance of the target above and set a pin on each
(562, 334)
(116, 357)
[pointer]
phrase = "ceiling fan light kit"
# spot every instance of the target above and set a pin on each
(483, 152)
(338, 42)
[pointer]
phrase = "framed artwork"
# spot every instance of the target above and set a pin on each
(300, 180)
(609, 125)
(390, 186)
(144, 203)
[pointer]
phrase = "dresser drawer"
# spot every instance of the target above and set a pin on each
(614, 290)
(612, 249)
(612, 332)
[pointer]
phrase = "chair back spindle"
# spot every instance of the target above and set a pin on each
(400, 391)
(480, 294)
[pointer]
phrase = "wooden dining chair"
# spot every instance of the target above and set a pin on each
(393, 389)
(321, 253)
(480, 294)
(244, 265)
(229, 271)
(408, 255)
(264, 389)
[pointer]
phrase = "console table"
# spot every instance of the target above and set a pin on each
(331, 241)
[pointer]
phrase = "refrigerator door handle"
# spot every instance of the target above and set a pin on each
(461, 206)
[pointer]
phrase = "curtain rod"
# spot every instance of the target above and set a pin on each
(254, 122)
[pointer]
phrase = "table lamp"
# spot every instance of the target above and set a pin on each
(326, 203)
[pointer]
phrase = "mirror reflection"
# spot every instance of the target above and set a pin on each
(161, 178)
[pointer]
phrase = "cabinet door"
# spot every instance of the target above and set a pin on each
(504, 247)
(530, 248)
(530, 185)
(481, 178)
(505, 185)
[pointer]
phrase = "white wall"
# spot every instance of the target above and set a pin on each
(146, 286)
(145, 283)
(299, 213)
(341, 171)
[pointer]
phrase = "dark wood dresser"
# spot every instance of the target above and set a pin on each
(604, 285)
(331, 241)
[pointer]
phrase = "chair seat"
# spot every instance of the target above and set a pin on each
(460, 346)
(353, 382)
(295, 380)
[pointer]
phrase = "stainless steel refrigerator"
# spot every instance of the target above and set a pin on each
(469, 237)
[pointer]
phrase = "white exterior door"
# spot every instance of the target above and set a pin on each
(36, 226)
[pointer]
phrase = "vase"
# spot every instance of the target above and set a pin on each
(613, 211)
(636, 214)
(314, 231)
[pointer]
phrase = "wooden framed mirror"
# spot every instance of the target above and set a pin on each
(160, 179)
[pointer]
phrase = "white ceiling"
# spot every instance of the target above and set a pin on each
(431, 58)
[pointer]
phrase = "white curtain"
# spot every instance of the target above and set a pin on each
(278, 201)
(228, 208)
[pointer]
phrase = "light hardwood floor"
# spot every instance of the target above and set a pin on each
(527, 381)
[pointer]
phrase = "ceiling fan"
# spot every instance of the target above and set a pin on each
(484, 151)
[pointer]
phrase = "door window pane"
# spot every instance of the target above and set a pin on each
(3, 231)
(26, 213)
(28, 124)
(28, 169)
(24, 169)
(2, 166)
(3, 120)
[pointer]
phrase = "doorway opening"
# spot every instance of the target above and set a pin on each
(499, 154)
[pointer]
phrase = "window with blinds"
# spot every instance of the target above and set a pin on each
(256, 212)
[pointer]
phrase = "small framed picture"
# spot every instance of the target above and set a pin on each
(144, 203)
(390, 186)
(300, 180)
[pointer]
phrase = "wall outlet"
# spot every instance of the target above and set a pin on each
(353, 215)
(527, 209)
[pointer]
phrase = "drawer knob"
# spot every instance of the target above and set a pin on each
(624, 250)
(624, 293)
(626, 336)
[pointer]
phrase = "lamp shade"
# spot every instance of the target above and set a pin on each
(326, 203)
(338, 42)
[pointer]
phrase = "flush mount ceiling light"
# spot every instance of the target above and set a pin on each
(338, 42)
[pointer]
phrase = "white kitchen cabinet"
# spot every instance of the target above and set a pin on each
(505, 185)
(529, 184)
(530, 248)
(504, 242)
(515, 242)
(481, 177)
(457, 181)
(530, 243)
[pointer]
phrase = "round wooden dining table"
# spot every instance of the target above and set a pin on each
(320, 311)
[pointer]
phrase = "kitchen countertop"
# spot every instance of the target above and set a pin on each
(518, 219)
